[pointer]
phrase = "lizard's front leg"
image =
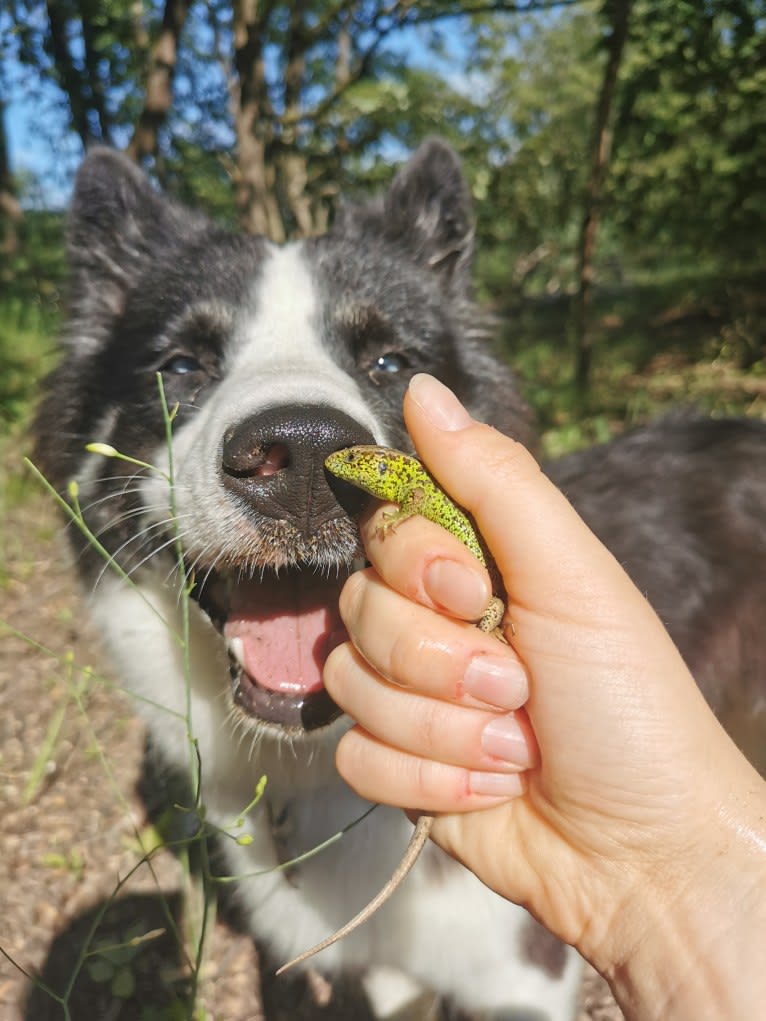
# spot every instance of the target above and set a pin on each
(410, 505)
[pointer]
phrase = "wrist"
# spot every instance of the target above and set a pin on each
(687, 942)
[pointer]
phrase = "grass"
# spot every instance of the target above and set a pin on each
(27, 331)
(27, 353)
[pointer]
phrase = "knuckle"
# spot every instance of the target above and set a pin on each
(439, 784)
(401, 657)
(427, 726)
(510, 462)
(422, 780)
(431, 725)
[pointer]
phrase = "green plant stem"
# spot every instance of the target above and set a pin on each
(301, 857)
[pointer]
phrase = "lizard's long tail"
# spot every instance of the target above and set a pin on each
(412, 853)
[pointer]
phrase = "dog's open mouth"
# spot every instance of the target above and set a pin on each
(279, 628)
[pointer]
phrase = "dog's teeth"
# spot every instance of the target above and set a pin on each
(236, 648)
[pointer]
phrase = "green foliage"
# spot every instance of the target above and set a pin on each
(514, 92)
(36, 273)
(690, 140)
(200, 178)
(685, 338)
(544, 86)
(29, 316)
(26, 355)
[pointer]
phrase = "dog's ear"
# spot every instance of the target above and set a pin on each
(428, 208)
(117, 219)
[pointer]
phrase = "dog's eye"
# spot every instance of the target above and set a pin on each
(181, 365)
(390, 362)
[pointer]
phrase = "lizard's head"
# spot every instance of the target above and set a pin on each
(381, 471)
(365, 466)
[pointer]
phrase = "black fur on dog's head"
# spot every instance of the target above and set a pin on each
(273, 358)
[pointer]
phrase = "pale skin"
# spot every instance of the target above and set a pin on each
(576, 771)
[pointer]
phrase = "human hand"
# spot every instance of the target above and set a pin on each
(624, 766)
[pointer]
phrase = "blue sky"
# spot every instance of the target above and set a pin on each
(33, 119)
(30, 152)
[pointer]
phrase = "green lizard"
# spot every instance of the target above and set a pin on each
(400, 478)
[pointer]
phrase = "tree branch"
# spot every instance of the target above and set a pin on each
(396, 16)
(497, 7)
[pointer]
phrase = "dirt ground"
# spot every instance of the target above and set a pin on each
(72, 822)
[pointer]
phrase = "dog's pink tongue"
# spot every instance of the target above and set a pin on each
(287, 628)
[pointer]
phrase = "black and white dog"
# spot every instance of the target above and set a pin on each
(276, 356)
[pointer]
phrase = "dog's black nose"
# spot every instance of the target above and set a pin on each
(274, 462)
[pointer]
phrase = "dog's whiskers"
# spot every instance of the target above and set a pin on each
(142, 537)
(128, 515)
(88, 508)
(159, 549)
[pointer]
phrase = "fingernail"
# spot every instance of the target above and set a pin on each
(456, 588)
(497, 680)
(499, 785)
(438, 403)
(504, 739)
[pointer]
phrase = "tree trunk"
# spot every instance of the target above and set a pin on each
(255, 176)
(600, 155)
(93, 81)
(293, 165)
(295, 177)
(68, 75)
(159, 82)
(11, 213)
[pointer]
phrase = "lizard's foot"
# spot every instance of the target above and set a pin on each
(408, 508)
(388, 522)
